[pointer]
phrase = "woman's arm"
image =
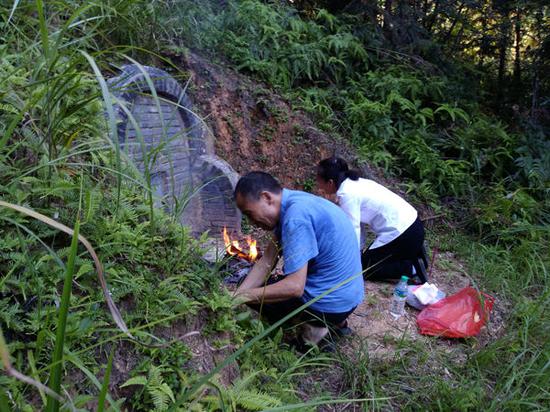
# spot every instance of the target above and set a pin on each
(352, 206)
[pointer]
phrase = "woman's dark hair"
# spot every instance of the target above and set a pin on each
(253, 183)
(335, 169)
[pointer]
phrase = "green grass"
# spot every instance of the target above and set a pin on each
(64, 162)
(509, 373)
(61, 324)
(59, 156)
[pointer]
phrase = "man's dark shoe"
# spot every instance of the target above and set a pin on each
(343, 329)
(299, 344)
(327, 345)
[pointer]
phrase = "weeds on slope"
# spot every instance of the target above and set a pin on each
(59, 156)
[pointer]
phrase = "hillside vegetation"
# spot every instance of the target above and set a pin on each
(451, 99)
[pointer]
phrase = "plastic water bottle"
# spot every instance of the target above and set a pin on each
(400, 293)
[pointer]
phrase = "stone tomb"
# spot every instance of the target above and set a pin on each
(163, 136)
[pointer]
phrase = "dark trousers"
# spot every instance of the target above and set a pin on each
(273, 312)
(395, 259)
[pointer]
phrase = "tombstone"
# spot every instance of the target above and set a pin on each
(164, 138)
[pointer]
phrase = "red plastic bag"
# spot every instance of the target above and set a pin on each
(456, 316)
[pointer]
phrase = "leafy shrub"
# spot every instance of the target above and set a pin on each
(286, 50)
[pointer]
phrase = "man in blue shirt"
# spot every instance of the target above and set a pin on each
(319, 249)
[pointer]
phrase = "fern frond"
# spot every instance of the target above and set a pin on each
(161, 395)
(136, 380)
(256, 401)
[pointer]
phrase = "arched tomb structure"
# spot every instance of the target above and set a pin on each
(168, 142)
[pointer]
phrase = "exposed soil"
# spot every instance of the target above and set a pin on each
(204, 356)
(372, 324)
(255, 129)
(373, 321)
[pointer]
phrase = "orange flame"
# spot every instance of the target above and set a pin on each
(233, 248)
(252, 250)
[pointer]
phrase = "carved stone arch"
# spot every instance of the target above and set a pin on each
(217, 209)
(173, 143)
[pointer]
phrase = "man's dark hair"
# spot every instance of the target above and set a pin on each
(252, 184)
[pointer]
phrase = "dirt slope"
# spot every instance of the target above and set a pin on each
(254, 129)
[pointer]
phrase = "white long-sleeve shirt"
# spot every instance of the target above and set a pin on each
(366, 201)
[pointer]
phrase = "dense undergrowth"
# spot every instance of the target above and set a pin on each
(401, 112)
(59, 157)
(405, 115)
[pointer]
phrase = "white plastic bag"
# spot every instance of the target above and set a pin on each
(413, 300)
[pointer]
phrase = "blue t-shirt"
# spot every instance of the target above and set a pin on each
(315, 231)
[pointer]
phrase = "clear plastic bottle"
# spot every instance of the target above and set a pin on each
(400, 293)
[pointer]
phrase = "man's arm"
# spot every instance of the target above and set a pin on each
(292, 286)
(257, 275)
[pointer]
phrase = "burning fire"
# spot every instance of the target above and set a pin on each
(233, 247)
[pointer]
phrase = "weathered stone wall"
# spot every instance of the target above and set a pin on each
(217, 205)
(168, 141)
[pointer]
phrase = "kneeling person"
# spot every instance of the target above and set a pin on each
(320, 252)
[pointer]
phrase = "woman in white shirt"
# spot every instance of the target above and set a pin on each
(399, 245)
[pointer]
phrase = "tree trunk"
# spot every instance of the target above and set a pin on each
(433, 17)
(400, 9)
(484, 41)
(458, 39)
(387, 27)
(503, 47)
(535, 97)
(517, 61)
(455, 21)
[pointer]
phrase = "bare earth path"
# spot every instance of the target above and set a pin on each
(374, 327)
(372, 319)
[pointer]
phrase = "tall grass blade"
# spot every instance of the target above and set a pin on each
(231, 358)
(112, 118)
(9, 131)
(32, 364)
(69, 24)
(55, 377)
(146, 159)
(156, 99)
(105, 386)
(115, 313)
(43, 29)
(301, 406)
(14, 7)
(54, 255)
(76, 361)
(14, 373)
(4, 402)
(99, 267)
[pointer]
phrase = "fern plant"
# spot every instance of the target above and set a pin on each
(240, 397)
(156, 391)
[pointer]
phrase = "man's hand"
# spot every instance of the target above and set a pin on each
(261, 269)
(239, 299)
(292, 286)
